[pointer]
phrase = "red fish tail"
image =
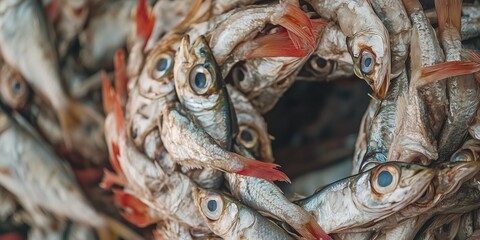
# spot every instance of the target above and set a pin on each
(110, 179)
(135, 211)
(108, 94)
(121, 79)
(298, 23)
(277, 44)
(260, 169)
(144, 20)
(448, 69)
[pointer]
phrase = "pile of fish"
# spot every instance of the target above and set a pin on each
(136, 119)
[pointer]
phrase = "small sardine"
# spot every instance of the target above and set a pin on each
(178, 128)
(384, 123)
(369, 196)
(368, 40)
(463, 92)
(423, 111)
(231, 219)
(243, 24)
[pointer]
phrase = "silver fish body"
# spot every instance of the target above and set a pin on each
(415, 138)
(231, 219)
(384, 123)
(362, 198)
(463, 93)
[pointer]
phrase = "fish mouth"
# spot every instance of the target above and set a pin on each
(380, 88)
(422, 175)
(183, 52)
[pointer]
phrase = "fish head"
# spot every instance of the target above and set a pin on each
(220, 212)
(196, 71)
(391, 186)
(14, 90)
(371, 59)
(156, 78)
(256, 140)
(252, 133)
(319, 67)
(448, 179)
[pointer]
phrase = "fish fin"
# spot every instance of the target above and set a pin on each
(114, 158)
(121, 79)
(255, 168)
(145, 21)
(448, 69)
(318, 25)
(52, 10)
(455, 14)
(76, 115)
(275, 45)
(297, 22)
(108, 94)
(110, 179)
(119, 120)
(473, 56)
(449, 14)
(134, 210)
(312, 229)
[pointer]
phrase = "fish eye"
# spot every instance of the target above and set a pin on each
(16, 92)
(200, 79)
(239, 76)
(320, 65)
(367, 63)
(247, 137)
(163, 65)
(385, 179)
(463, 156)
(212, 206)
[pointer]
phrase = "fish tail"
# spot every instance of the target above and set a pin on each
(298, 24)
(318, 25)
(315, 231)
(135, 212)
(260, 169)
(121, 79)
(277, 44)
(110, 179)
(449, 69)
(144, 20)
(449, 14)
(108, 94)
